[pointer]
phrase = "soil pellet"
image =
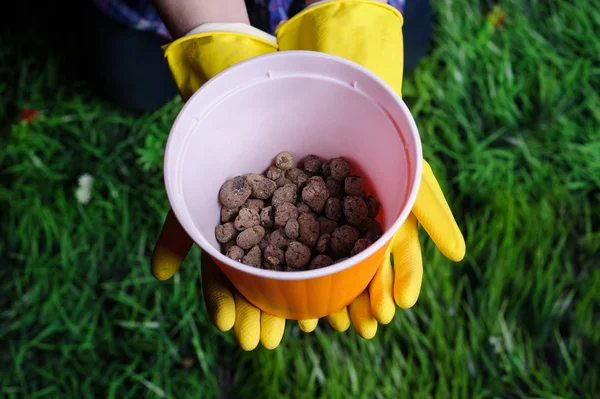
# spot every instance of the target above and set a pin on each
(302, 208)
(265, 241)
(278, 239)
(235, 192)
(326, 225)
(253, 257)
(335, 188)
(283, 213)
(373, 207)
(320, 261)
(355, 210)
(246, 218)
(361, 245)
(333, 209)
(228, 214)
(340, 169)
(266, 217)
(267, 266)
(323, 243)
(284, 160)
(315, 194)
(274, 173)
(292, 229)
(309, 229)
(353, 186)
(255, 204)
(312, 165)
(297, 256)
(282, 181)
(274, 256)
(297, 177)
(225, 232)
(371, 230)
(343, 240)
(236, 253)
(285, 194)
(319, 212)
(250, 237)
(262, 188)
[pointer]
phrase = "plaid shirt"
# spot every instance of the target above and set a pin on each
(141, 15)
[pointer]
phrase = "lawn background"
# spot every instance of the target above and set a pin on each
(510, 120)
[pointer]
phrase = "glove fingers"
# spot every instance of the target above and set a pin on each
(217, 294)
(408, 263)
(363, 321)
(340, 321)
(171, 248)
(434, 214)
(271, 330)
(381, 293)
(308, 325)
(247, 323)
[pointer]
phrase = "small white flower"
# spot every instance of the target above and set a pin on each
(83, 193)
(86, 180)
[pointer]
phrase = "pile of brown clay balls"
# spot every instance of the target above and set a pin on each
(292, 219)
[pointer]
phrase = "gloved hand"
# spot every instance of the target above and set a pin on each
(370, 34)
(201, 54)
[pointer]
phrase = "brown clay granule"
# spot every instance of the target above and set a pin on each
(287, 193)
(335, 188)
(225, 232)
(274, 256)
(278, 239)
(297, 177)
(283, 213)
(320, 215)
(246, 218)
(326, 225)
(353, 186)
(253, 257)
(236, 253)
(282, 181)
(274, 173)
(312, 165)
(361, 245)
(292, 229)
(373, 207)
(250, 237)
(229, 214)
(255, 204)
(340, 169)
(297, 256)
(284, 160)
(235, 192)
(320, 261)
(342, 241)
(315, 194)
(309, 229)
(355, 210)
(333, 209)
(266, 217)
(323, 243)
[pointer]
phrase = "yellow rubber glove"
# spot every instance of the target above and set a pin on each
(370, 34)
(193, 60)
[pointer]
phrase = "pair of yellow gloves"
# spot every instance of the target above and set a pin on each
(368, 33)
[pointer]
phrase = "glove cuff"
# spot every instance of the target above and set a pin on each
(364, 31)
(233, 27)
(210, 49)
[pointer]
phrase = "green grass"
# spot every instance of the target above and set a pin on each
(510, 120)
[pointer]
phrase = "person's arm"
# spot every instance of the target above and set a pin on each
(181, 16)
